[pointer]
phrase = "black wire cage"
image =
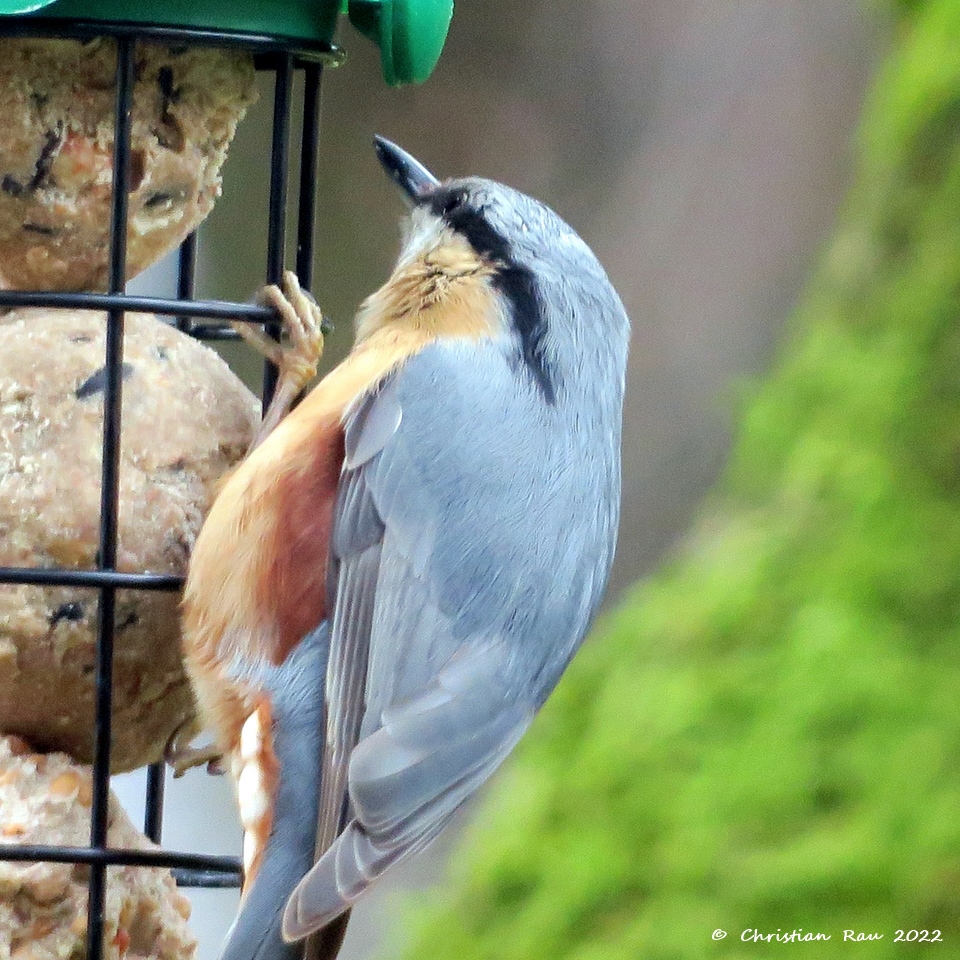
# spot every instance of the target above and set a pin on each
(207, 320)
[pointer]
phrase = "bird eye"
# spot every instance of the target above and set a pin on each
(453, 203)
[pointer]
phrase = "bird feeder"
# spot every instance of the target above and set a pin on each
(281, 37)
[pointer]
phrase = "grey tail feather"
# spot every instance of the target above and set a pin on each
(296, 691)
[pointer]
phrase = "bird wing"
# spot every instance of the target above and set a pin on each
(445, 543)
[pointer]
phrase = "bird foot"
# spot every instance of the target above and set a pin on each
(297, 359)
(181, 757)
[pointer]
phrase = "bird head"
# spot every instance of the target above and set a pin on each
(547, 293)
(500, 225)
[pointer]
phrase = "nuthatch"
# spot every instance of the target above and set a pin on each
(389, 586)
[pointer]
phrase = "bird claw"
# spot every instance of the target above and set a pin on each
(296, 360)
(181, 757)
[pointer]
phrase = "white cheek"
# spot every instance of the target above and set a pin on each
(423, 232)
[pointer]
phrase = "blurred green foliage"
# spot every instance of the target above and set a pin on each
(766, 735)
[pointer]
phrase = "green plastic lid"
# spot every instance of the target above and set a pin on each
(409, 33)
(12, 6)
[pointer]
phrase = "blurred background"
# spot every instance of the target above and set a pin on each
(702, 148)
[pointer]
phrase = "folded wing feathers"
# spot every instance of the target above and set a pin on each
(406, 780)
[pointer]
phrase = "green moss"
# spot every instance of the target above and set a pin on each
(767, 734)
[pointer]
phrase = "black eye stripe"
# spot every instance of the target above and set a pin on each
(453, 202)
(447, 202)
(516, 282)
(472, 224)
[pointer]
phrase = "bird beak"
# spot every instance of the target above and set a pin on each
(407, 172)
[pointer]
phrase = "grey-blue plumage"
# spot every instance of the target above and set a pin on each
(473, 535)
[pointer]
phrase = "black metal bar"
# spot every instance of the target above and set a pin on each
(186, 275)
(59, 577)
(210, 309)
(156, 778)
(113, 856)
(153, 802)
(279, 160)
(207, 878)
(307, 198)
(110, 495)
(277, 216)
(206, 331)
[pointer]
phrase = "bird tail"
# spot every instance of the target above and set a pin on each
(325, 943)
(296, 693)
